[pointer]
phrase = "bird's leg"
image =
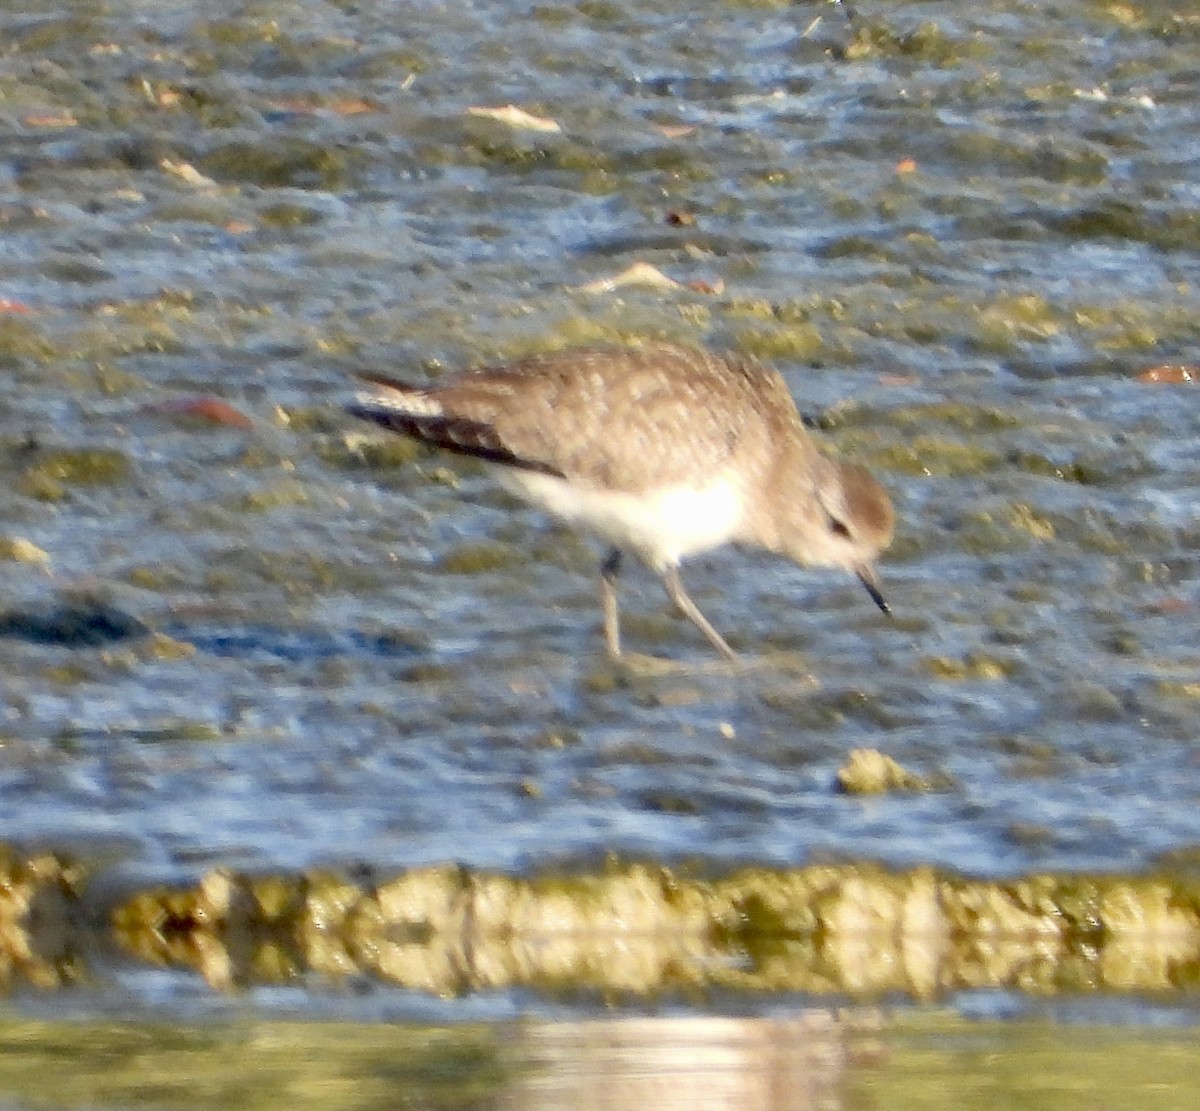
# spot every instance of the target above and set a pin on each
(609, 570)
(688, 608)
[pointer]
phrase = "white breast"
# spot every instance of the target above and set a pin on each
(661, 526)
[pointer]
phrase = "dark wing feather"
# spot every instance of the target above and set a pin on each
(398, 384)
(453, 434)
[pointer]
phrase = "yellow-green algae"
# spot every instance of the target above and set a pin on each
(20, 550)
(288, 161)
(630, 929)
(479, 557)
(266, 1065)
(973, 666)
(22, 339)
(40, 894)
(644, 929)
(938, 1061)
(868, 771)
(280, 494)
(928, 42)
(54, 472)
(1007, 323)
(799, 342)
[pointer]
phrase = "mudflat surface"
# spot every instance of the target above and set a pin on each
(239, 631)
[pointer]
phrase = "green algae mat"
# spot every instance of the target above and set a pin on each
(626, 930)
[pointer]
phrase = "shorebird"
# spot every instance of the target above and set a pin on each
(663, 451)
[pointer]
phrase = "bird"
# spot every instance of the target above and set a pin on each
(662, 450)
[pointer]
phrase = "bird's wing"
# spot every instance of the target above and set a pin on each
(619, 418)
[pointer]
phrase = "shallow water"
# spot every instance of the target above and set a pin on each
(962, 233)
(812, 1059)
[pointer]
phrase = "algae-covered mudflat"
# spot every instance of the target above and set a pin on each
(626, 932)
(238, 630)
(306, 731)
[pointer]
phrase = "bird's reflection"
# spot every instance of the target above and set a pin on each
(698, 1063)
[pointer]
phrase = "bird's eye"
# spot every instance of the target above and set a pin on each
(839, 528)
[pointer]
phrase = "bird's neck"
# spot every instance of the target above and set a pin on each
(783, 504)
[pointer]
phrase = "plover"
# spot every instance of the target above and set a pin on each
(664, 451)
